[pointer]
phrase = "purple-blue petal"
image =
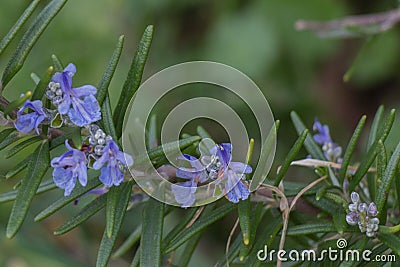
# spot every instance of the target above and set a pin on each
(184, 193)
(239, 191)
(25, 123)
(84, 112)
(240, 167)
(70, 69)
(84, 90)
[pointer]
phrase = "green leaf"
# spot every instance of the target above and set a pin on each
(5, 133)
(179, 227)
(37, 168)
(42, 85)
(150, 243)
(244, 219)
(133, 79)
(392, 241)
(267, 147)
(107, 121)
(152, 132)
(58, 66)
(29, 39)
(78, 191)
(372, 152)
(132, 239)
(20, 146)
(311, 228)
(311, 146)
(188, 251)
(107, 243)
(18, 25)
(375, 126)
(202, 132)
(199, 225)
(339, 220)
(384, 186)
(111, 207)
(350, 148)
(86, 212)
(10, 139)
(44, 187)
(291, 156)
(267, 236)
(166, 148)
(102, 89)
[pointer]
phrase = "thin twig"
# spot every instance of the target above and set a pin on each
(381, 21)
(195, 217)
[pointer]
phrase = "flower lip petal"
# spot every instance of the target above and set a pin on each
(84, 90)
(70, 69)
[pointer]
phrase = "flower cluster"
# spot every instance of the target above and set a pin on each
(217, 167)
(332, 151)
(76, 107)
(363, 215)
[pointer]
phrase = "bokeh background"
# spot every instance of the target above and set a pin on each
(296, 71)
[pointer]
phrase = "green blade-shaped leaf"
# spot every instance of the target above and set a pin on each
(312, 228)
(30, 38)
(384, 186)
(372, 151)
(350, 148)
(78, 191)
(244, 219)
(10, 139)
(312, 147)
(107, 243)
(188, 250)
(199, 225)
(166, 148)
(37, 168)
(18, 168)
(58, 65)
(132, 239)
(87, 212)
(17, 26)
(392, 241)
(265, 156)
(291, 156)
(5, 133)
(102, 89)
(152, 132)
(44, 187)
(150, 243)
(133, 79)
(111, 207)
(202, 132)
(20, 146)
(42, 85)
(375, 126)
(179, 227)
(106, 116)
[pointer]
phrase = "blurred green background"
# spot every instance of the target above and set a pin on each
(295, 70)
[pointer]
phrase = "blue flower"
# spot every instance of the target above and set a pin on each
(184, 193)
(114, 161)
(78, 103)
(26, 122)
(69, 167)
(323, 136)
(198, 173)
(332, 151)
